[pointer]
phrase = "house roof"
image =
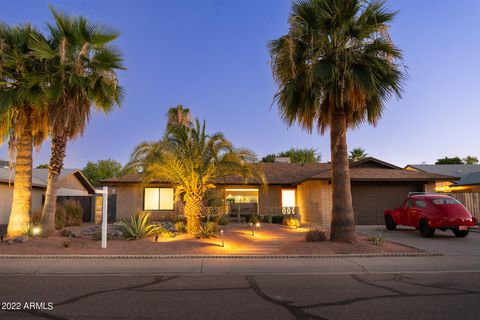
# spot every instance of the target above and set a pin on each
(454, 170)
(369, 169)
(40, 177)
(470, 179)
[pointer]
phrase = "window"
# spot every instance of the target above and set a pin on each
(288, 198)
(408, 203)
(441, 201)
(241, 195)
(158, 199)
(420, 204)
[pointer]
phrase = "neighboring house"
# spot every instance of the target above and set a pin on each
(72, 183)
(467, 176)
(292, 187)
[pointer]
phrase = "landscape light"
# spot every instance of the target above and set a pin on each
(36, 230)
(257, 224)
(251, 228)
(221, 234)
(156, 238)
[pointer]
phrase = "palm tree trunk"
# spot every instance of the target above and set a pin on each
(343, 223)
(59, 144)
(22, 187)
(193, 211)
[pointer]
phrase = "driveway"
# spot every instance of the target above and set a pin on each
(443, 242)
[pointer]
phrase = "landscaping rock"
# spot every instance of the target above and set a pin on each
(65, 233)
(75, 234)
(21, 239)
(10, 242)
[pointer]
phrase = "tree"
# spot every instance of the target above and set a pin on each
(178, 116)
(357, 154)
(83, 73)
(335, 68)
(102, 169)
(193, 161)
(470, 160)
(296, 155)
(447, 160)
(42, 166)
(22, 116)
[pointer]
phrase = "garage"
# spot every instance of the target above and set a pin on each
(371, 199)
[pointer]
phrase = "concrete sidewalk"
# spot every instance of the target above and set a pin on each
(345, 265)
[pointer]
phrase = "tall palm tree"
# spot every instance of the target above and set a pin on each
(85, 75)
(357, 154)
(335, 68)
(179, 116)
(193, 162)
(22, 115)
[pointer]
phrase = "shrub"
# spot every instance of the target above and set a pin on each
(97, 236)
(222, 220)
(28, 230)
(277, 218)
(377, 240)
(207, 230)
(314, 235)
(292, 221)
(73, 213)
(59, 218)
(137, 226)
(180, 226)
(252, 218)
(165, 228)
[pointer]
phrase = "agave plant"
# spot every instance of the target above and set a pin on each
(137, 226)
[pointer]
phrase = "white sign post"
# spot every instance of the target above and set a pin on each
(104, 217)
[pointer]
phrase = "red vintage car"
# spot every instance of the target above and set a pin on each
(428, 212)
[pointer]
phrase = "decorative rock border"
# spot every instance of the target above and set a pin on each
(193, 256)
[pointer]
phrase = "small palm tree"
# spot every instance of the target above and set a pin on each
(194, 162)
(22, 115)
(82, 73)
(335, 68)
(357, 154)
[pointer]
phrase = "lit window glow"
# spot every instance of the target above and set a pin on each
(158, 199)
(288, 198)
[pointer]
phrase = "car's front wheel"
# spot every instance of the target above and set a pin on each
(425, 229)
(460, 233)
(389, 223)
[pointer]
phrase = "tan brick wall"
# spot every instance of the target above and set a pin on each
(430, 186)
(315, 202)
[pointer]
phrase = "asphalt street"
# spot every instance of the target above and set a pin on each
(357, 296)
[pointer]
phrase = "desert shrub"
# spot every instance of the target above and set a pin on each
(59, 218)
(165, 228)
(73, 213)
(207, 230)
(97, 236)
(180, 226)
(28, 230)
(222, 220)
(292, 221)
(378, 239)
(278, 218)
(137, 226)
(314, 235)
(253, 218)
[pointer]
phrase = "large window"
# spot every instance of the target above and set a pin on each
(158, 199)
(241, 195)
(288, 198)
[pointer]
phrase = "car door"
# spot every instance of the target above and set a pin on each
(402, 217)
(409, 211)
(416, 212)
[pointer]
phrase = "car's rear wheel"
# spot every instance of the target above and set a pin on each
(460, 233)
(389, 223)
(425, 229)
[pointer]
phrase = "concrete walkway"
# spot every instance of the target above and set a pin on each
(345, 265)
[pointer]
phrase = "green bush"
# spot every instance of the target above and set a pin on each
(97, 236)
(180, 226)
(253, 218)
(59, 218)
(314, 235)
(377, 240)
(137, 226)
(207, 230)
(222, 220)
(278, 218)
(73, 213)
(292, 221)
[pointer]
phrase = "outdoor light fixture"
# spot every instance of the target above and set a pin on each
(251, 228)
(221, 234)
(156, 238)
(257, 224)
(36, 230)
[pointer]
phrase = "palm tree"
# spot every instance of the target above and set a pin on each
(179, 116)
(22, 116)
(193, 162)
(357, 154)
(335, 68)
(85, 75)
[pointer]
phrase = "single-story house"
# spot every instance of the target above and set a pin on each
(466, 176)
(72, 183)
(292, 187)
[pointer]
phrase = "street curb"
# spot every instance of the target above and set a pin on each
(318, 256)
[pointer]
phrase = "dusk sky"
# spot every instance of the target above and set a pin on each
(211, 56)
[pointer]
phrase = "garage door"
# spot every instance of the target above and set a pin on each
(371, 200)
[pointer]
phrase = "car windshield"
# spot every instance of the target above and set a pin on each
(441, 201)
